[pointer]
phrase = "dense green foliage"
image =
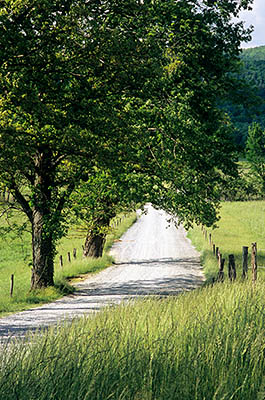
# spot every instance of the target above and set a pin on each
(207, 344)
(65, 84)
(129, 87)
(250, 105)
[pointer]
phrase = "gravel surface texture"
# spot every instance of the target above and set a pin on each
(152, 258)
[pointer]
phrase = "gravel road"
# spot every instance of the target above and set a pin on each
(152, 258)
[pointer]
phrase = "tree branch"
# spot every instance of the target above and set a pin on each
(65, 196)
(21, 200)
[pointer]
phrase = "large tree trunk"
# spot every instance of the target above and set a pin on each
(96, 237)
(43, 253)
(43, 223)
(94, 245)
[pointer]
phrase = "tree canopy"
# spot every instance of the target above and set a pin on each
(114, 84)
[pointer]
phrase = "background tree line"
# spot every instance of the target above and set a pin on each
(247, 114)
(250, 105)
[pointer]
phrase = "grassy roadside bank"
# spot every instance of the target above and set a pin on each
(15, 259)
(204, 344)
(241, 224)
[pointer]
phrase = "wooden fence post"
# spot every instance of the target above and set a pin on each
(245, 262)
(254, 262)
(221, 263)
(217, 252)
(74, 253)
(12, 285)
(231, 267)
(61, 261)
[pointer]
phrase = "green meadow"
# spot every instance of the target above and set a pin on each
(207, 344)
(15, 258)
(240, 224)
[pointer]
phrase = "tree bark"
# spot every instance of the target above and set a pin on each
(96, 237)
(43, 254)
(43, 225)
(94, 245)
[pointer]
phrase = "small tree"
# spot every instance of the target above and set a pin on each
(101, 197)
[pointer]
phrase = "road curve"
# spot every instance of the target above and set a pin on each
(152, 258)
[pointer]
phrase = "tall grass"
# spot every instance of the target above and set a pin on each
(206, 344)
(241, 224)
(15, 258)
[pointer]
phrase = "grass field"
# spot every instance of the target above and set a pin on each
(15, 259)
(206, 345)
(241, 224)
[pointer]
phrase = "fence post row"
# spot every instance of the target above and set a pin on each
(69, 256)
(231, 260)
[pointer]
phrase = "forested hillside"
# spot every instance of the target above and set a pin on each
(251, 107)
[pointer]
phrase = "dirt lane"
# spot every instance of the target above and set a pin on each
(153, 257)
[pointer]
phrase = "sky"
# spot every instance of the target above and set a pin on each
(256, 17)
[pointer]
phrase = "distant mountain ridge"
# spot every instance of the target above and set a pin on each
(254, 65)
(256, 53)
